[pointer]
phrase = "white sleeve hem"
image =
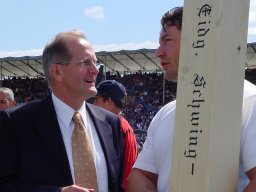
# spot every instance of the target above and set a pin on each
(145, 167)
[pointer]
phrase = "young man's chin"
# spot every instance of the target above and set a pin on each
(169, 78)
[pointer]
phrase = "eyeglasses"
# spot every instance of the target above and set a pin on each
(85, 63)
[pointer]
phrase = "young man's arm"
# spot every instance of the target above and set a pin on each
(141, 181)
(251, 187)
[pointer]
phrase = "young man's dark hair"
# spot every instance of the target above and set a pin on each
(172, 17)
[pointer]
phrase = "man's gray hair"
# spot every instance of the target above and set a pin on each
(58, 52)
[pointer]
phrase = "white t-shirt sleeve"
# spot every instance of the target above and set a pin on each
(248, 139)
(156, 148)
(146, 158)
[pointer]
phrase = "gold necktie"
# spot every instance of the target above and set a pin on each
(84, 165)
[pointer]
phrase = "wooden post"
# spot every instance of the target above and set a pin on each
(209, 96)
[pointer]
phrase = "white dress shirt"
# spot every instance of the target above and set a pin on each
(64, 116)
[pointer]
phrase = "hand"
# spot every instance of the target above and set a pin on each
(75, 188)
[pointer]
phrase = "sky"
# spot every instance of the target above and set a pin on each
(30, 24)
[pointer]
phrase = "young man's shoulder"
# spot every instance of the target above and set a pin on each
(171, 106)
(165, 115)
(249, 89)
(126, 127)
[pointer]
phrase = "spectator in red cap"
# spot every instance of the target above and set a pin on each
(111, 96)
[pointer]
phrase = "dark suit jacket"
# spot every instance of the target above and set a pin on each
(32, 152)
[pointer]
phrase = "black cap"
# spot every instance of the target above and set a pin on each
(112, 89)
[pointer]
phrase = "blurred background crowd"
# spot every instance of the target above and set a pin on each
(146, 94)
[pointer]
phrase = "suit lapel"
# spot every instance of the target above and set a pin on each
(49, 130)
(106, 139)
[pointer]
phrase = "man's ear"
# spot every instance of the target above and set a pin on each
(109, 100)
(56, 71)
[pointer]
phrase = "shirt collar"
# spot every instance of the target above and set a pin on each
(65, 112)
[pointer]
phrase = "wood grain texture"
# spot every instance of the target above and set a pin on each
(209, 96)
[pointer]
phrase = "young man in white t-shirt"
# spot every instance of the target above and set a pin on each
(152, 169)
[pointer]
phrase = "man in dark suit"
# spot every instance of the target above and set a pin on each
(36, 138)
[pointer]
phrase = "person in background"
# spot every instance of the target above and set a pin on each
(152, 169)
(111, 96)
(38, 140)
(6, 98)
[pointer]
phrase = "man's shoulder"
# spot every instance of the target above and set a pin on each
(171, 106)
(249, 89)
(126, 127)
(97, 109)
(31, 107)
(165, 114)
(100, 113)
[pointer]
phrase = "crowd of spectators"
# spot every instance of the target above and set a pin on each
(145, 96)
(146, 93)
(27, 89)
